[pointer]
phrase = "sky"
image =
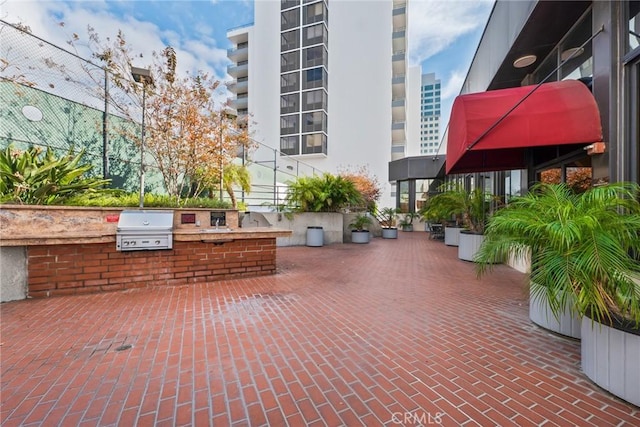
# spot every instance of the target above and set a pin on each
(443, 34)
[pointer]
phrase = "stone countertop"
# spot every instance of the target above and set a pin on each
(180, 235)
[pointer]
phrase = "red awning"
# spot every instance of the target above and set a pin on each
(556, 113)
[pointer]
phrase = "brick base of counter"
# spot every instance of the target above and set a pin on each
(74, 269)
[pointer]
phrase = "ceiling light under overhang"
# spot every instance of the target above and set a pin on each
(524, 61)
(571, 53)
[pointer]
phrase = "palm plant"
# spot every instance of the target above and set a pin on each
(468, 207)
(360, 222)
(582, 247)
(387, 217)
(325, 193)
(407, 222)
(31, 178)
(235, 174)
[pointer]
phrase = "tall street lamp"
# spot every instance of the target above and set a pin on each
(142, 75)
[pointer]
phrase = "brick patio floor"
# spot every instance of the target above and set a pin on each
(394, 332)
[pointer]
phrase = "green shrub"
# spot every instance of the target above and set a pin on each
(118, 198)
(325, 193)
(360, 222)
(581, 245)
(28, 177)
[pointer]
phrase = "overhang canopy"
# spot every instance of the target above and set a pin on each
(556, 113)
(417, 167)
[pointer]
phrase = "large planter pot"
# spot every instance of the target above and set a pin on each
(610, 358)
(452, 236)
(315, 236)
(390, 233)
(567, 323)
(468, 245)
(360, 236)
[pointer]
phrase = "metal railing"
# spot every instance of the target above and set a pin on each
(53, 98)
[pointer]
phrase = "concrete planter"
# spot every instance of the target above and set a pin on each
(452, 236)
(389, 233)
(468, 245)
(332, 224)
(567, 323)
(360, 237)
(610, 359)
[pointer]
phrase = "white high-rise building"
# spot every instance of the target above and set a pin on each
(429, 114)
(324, 82)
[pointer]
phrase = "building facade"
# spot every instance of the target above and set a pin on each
(429, 114)
(539, 45)
(529, 48)
(322, 85)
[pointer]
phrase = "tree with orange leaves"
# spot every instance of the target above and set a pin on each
(190, 136)
(366, 184)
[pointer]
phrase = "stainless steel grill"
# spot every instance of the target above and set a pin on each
(141, 230)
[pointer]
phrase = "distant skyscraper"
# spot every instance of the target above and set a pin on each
(429, 114)
(323, 82)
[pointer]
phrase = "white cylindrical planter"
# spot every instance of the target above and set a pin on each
(610, 359)
(567, 323)
(315, 236)
(359, 237)
(452, 236)
(389, 233)
(468, 245)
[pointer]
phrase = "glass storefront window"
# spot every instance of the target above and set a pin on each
(422, 192)
(577, 177)
(512, 184)
(580, 63)
(634, 25)
(404, 196)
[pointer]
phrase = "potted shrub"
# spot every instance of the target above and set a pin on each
(583, 250)
(327, 194)
(407, 221)
(359, 231)
(469, 208)
(433, 220)
(387, 219)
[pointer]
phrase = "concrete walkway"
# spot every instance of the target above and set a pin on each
(389, 333)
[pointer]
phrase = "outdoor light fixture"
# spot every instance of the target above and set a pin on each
(142, 75)
(571, 53)
(524, 61)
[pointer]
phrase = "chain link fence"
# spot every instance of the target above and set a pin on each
(56, 99)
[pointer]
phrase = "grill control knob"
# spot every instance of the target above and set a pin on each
(157, 242)
(125, 243)
(133, 243)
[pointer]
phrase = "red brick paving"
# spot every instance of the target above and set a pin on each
(394, 332)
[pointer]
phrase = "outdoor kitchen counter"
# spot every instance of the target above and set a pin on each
(23, 225)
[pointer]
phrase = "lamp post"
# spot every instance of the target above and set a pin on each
(142, 75)
(226, 114)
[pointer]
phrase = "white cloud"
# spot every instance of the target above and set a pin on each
(454, 83)
(143, 36)
(436, 24)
